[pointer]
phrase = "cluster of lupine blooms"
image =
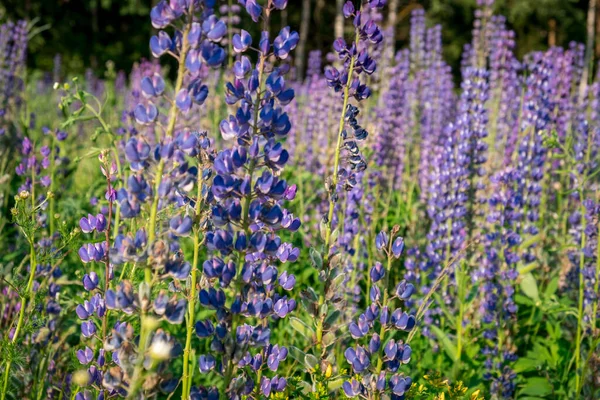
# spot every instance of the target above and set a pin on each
(201, 266)
(13, 49)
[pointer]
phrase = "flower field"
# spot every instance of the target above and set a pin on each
(224, 222)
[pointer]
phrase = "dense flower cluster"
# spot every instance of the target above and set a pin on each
(498, 274)
(376, 364)
(390, 144)
(585, 259)
(356, 61)
(13, 50)
(239, 233)
(248, 214)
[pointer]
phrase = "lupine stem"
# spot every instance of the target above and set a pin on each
(338, 150)
(230, 33)
(106, 127)
(32, 258)
(169, 133)
(5, 380)
(579, 338)
(136, 382)
(119, 176)
(107, 259)
(333, 187)
(28, 288)
(580, 310)
(386, 295)
(52, 200)
(594, 317)
(187, 374)
(461, 312)
(248, 198)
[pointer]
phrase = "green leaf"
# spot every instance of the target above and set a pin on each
(301, 327)
(529, 287)
(537, 387)
(316, 258)
(525, 364)
(552, 287)
(296, 353)
(335, 384)
(447, 343)
(323, 229)
(324, 309)
(332, 317)
(310, 294)
(310, 361)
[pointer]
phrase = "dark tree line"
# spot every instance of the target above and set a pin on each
(88, 33)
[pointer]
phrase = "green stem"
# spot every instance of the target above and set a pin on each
(230, 33)
(5, 380)
(169, 133)
(580, 312)
(107, 259)
(24, 298)
(52, 199)
(334, 183)
(119, 176)
(384, 303)
(248, 198)
(579, 376)
(338, 150)
(461, 313)
(187, 374)
(145, 332)
(136, 381)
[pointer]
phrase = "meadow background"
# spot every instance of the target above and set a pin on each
(299, 199)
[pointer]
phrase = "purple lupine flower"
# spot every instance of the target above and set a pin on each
(435, 104)
(504, 85)
(374, 329)
(248, 213)
(497, 276)
(161, 175)
(456, 185)
(584, 232)
(394, 112)
(13, 50)
(536, 119)
(483, 31)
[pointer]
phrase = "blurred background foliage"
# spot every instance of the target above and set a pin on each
(88, 33)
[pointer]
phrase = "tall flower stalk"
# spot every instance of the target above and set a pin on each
(199, 32)
(241, 285)
(28, 203)
(376, 364)
(355, 61)
(201, 224)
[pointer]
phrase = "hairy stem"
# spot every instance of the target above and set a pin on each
(187, 373)
(28, 289)
(144, 334)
